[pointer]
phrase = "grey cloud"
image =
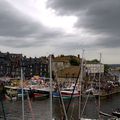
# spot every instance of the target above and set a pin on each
(109, 42)
(22, 42)
(98, 17)
(102, 17)
(72, 43)
(17, 30)
(69, 6)
(13, 25)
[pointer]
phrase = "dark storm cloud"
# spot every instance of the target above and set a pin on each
(13, 25)
(102, 17)
(94, 16)
(70, 6)
(17, 30)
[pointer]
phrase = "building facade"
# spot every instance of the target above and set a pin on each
(11, 63)
(35, 66)
(94, 68)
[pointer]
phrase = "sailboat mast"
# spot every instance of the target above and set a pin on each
(99, 88)
(22, 94)
(62, 102)
(80, 83)
(50, 60)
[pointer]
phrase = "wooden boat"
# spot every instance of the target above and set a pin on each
(116, 113)
(66, 93)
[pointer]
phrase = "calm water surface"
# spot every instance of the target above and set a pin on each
(41, 109)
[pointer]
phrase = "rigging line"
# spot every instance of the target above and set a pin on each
(63, 111)
(30, 106)
(61, 108)
(71, 117)
(72, 92)
(61, 100)
(85, 104)
(86, 101)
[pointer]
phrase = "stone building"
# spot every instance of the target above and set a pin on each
(10, 64)
(63, 67)
(35, 66)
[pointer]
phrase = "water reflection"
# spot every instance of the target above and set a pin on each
(41, 109)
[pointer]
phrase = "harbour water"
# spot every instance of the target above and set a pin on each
(41, 109)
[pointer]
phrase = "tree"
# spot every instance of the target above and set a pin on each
(94, 61)
(74, 62)
(106, 68)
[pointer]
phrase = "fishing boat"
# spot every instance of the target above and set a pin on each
(66, 93)
(39, 96)
(36, 94)
(11, 93)
(38, 88)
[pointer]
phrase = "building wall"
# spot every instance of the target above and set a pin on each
(59, 65)
(35, 66)
(63, 79)
(10, 65)
(94, 68)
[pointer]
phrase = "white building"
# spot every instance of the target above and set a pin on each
(94, 68)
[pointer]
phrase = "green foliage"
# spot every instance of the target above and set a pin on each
(106, 68)
(74, 62)
(94, 61)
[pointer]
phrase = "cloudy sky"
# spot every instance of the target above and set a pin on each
(43, 27)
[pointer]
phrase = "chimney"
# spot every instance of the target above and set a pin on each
(78, 55)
